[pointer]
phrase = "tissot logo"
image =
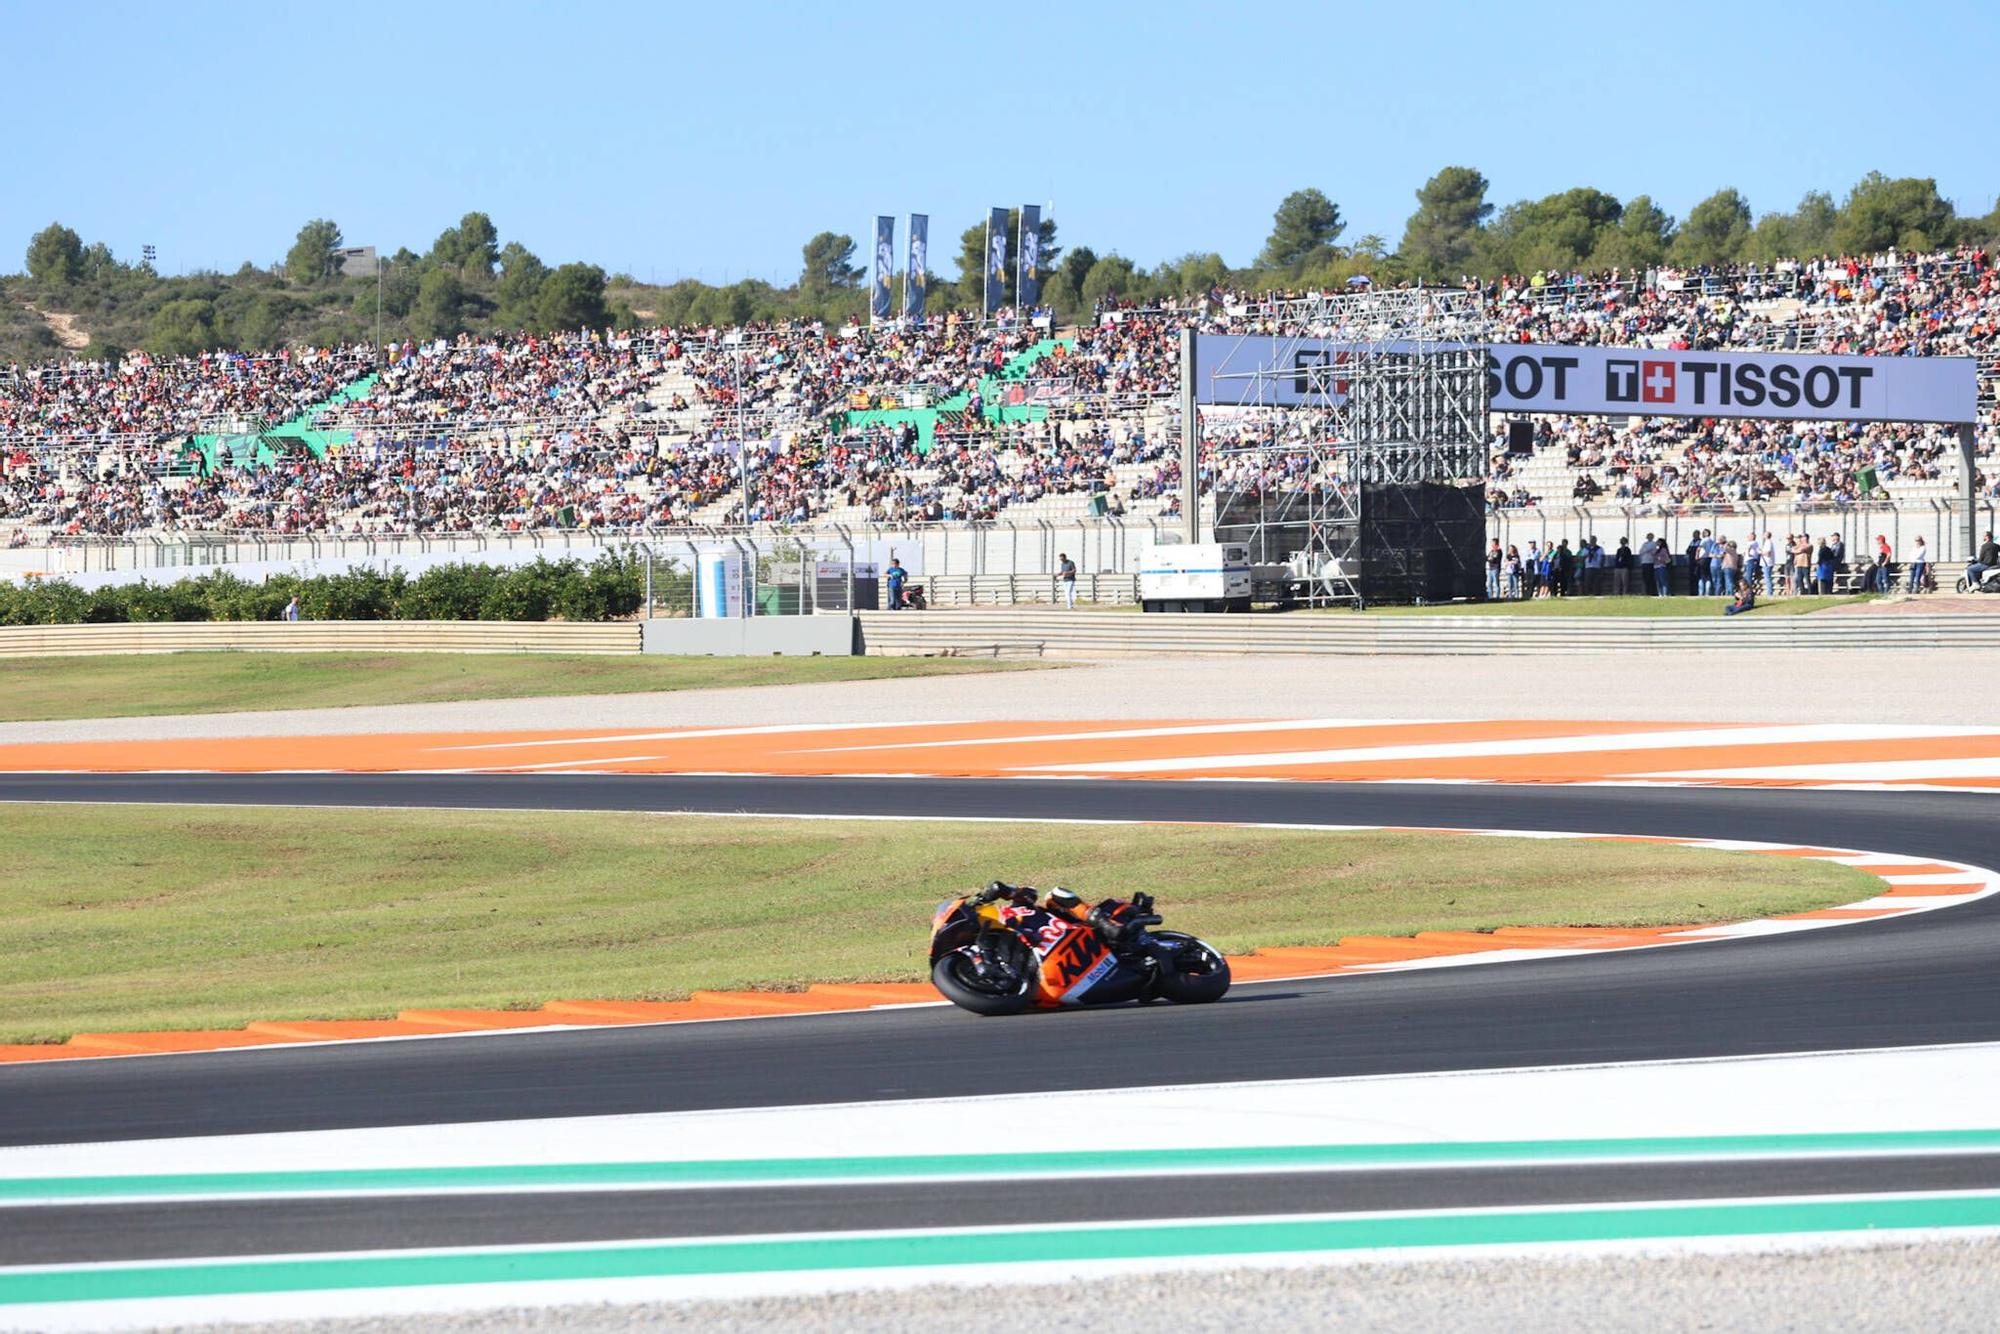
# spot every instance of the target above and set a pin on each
(1309, 369)
(1621, 381)
(1656, 382)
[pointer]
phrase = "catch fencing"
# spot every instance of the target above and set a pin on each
(967, 564)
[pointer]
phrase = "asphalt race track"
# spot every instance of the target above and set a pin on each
(161, 1231)
(1926, 979)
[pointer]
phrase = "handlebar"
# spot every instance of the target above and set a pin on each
(1000, 889)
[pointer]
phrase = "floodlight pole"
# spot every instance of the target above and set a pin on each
(1968, 489)
(1190, 445)
(742, 445)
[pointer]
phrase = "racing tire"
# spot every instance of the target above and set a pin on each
(1200, 985)
(951, 975)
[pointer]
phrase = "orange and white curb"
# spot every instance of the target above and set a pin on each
(1911, 886)
(1841, 756)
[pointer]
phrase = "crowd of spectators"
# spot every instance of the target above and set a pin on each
(643, 428)
(162, 397)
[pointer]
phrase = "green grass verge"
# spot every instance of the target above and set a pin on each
(144, 684)
(119, 918)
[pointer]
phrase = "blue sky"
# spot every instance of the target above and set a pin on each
(711, 140)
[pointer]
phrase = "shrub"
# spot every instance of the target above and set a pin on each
(360, 594)
(223, 594)
(526, 592)
(44, 602)
(178, 601)
(611, 586)
(110, 606)
(447, 593)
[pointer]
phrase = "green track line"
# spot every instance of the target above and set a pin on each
(986, 1247)
(757, 1171)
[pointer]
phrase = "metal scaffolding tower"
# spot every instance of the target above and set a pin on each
(1342, 408)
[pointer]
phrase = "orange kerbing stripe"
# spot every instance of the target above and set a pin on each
(989, 749)
(1028, 749)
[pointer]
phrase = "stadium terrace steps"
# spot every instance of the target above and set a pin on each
(1093, 634)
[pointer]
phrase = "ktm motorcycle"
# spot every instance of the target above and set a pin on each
(1001, 951)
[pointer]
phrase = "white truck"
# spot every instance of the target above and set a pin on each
(1198, 576)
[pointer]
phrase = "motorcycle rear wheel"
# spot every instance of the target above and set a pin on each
(1193, 972)
(953, 975)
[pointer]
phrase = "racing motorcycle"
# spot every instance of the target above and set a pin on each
(1004, 949)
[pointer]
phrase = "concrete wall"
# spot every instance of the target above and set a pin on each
(321, 637)
(750, 636)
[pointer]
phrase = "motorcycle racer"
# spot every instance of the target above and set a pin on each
(1115, 923)
(1008, 948)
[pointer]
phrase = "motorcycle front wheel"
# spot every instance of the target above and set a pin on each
(959, 977)
(1964, 584)
(1193, 972)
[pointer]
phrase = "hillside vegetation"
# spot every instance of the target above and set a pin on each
(468, 280)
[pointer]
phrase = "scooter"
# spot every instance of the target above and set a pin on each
(1989, 581)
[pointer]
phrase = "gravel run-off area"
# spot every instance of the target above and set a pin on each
(1932, 1286)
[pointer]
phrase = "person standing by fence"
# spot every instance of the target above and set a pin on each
(894, 577)
(1066, 579)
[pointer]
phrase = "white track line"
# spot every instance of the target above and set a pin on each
(1619, 742)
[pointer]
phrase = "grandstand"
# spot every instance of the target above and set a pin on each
(958, 421)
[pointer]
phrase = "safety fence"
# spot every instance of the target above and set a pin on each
(321, 637)
(1087, 634)
(1940, 522)
(1101, 542)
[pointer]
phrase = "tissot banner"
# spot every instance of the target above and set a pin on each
(1777, 385)
(1541, 377)
(1028, 279)
(917, 273)
(885, 267)
(996, 259)
(1274, 372)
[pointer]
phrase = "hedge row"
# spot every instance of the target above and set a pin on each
(610, 587)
